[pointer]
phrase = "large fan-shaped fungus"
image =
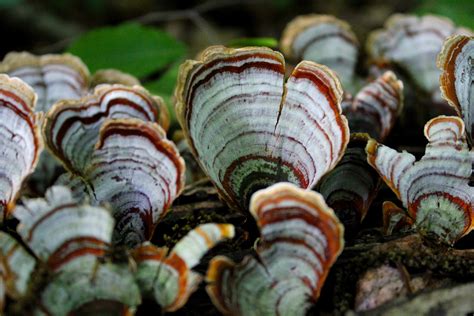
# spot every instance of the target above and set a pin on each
(248, 129)
(20, 139)
(133, 166)
(435, 190)
(300, 240)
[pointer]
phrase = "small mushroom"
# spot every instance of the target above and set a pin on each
(435, 190)
(456, 62)
(323, 39)
(351, 186)
(376, 107)
(249, 130)
(412, 44)
(20, 139)
(72, 239)
(168, 276)
(300, 240)
(395, 219)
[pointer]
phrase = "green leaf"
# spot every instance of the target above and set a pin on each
(129, 47)
(9, 3)
(461, 13)
(164, 87)
(254, 41)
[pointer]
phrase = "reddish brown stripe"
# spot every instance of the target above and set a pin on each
(179, 265)
(27, 115)
(163, 146)
(328, 231)
(278, 68)
(320, 79)
(58, 258)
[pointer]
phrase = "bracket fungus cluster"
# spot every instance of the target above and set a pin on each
(77, 272)
(267, 138)
(20, 138)
(300, 240)
(249, 130)
(56, 77)
(116, 153)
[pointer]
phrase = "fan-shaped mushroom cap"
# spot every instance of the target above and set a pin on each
(300, 240)
(248, 129)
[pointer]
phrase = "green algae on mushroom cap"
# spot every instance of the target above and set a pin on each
(300, 240)
(435, 190)
(323, 39)
(168, 276)
(20, 139)
(248, 129)
(72, 238)
(412, 43)
(456, 60)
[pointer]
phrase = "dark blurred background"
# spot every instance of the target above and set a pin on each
(45, 26)
(150, 39)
